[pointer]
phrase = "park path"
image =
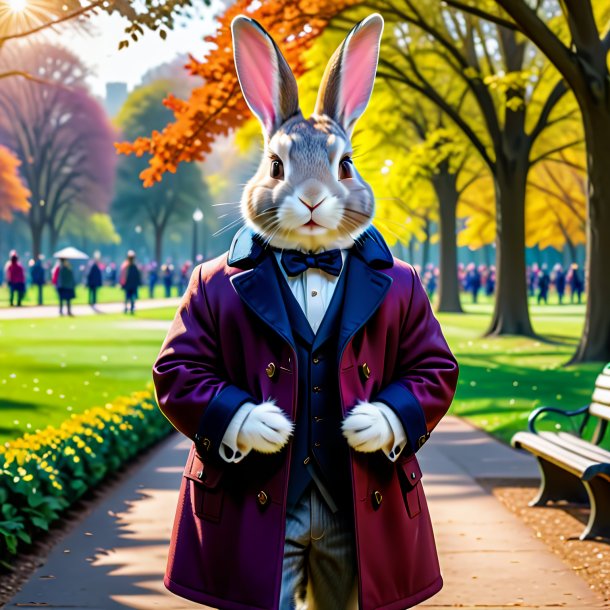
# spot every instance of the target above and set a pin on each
(114, 558)
(52, 311)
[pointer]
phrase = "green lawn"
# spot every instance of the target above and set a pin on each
(50, 368)
(106, 294)
(53, 367)
(503, 379)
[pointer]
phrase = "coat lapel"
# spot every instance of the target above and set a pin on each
(259, 290)
(365, 284)
(364, 292)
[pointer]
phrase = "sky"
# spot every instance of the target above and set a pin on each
(99, 48)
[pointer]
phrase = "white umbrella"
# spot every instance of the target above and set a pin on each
(71, 253)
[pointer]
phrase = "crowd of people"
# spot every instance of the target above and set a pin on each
(130, 275)
(94, 275)
(476, 279)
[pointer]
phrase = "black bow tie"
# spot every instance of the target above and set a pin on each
(295, 262)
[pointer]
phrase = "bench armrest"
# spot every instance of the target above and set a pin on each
(531, 420)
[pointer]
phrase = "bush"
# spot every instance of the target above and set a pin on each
(44, 473)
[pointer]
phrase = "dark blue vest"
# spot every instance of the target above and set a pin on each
(320, 453)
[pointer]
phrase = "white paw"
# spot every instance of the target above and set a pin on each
(266, 429)
(366, 428)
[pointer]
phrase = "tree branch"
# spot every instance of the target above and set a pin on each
(477, 12)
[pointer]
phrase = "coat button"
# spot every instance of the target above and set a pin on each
(202, 476)
(317, 389)
(377, 499)
(413, 475)
(315, 360)
(316, 444)
(262, 498)
(422, 439)
(366, 371)
(270, 370)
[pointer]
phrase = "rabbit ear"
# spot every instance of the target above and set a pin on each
(266, 80)
(348, 80)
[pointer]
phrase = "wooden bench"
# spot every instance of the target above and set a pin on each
(572, 468)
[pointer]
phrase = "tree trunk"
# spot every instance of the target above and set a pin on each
(425, 248)
(448, 291)
(159, 230)
(36, 232)
(53, 237)
(511, 312)
(595, 341)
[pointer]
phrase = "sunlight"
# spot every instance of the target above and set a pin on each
(17, 6)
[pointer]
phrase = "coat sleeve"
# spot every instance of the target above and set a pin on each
(191, 386)
(426, 373)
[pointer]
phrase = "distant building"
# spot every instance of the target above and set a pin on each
(116, 94)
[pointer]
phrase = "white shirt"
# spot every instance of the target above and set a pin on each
(313, 290)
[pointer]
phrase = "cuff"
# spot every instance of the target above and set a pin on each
(409, 412)
(229, 445)
(399, 438)
(216, 418)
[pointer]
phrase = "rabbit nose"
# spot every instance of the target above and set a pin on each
(312, 207)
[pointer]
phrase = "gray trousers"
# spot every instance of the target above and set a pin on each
(320, 568)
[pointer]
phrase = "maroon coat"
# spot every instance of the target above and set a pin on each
(230, 342)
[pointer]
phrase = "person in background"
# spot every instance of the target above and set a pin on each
(430, 281)
(473, 281)
(37, 276)
(544, 282)
(559, 279)
(185, 274)
(168, 278)
(14, 276)
(130, 279)
(111, 274)
(94, 281)
(63, 278)
(575, 281)
(153, 278)
(490, 282)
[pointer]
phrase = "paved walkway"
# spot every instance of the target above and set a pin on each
(115, 558)
(52, 311)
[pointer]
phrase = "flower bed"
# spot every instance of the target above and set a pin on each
(45, 472)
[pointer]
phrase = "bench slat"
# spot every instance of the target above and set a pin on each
(601, 396)
(556, 454)
(603, 381)
(599, 410)
(579, 445)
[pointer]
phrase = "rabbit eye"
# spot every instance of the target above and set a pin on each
(345, 168)
(277, 169)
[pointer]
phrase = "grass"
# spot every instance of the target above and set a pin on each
(106, 294)
(503, 379)
(53, 367)
(50, 368)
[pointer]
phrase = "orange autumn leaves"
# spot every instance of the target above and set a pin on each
(13, 195)
(217, 106)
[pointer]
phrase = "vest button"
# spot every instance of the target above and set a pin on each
(315, 360)
(377, 499)
(317, 389)
(270, 370)
(262, 498)
(366, 371)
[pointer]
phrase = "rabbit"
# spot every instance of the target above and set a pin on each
(307, 193)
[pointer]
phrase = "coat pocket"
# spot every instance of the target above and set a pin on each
(409, 474)
(205, 489)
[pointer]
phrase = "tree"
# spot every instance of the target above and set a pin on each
(61, 136)
(577, 42)
(165, 204)
(42, 15)
(217, 107)
(91, 229)
(13, 195)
